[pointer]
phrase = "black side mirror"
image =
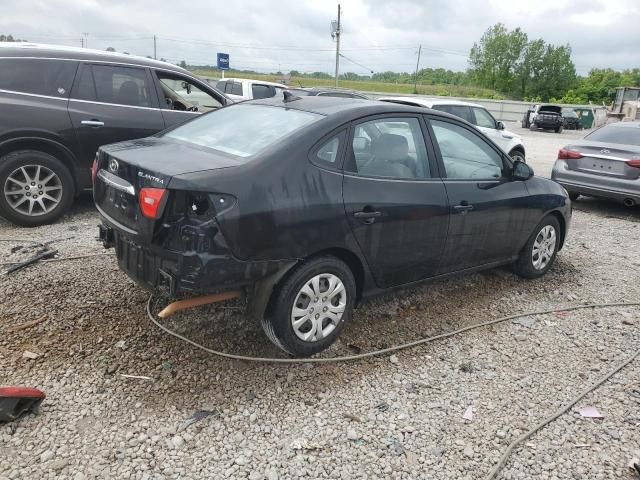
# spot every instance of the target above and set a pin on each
(499, 125)
(521, 171)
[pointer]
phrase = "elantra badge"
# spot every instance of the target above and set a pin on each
(113, 165)
(605, 151)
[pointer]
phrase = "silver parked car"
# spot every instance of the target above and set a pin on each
(606, 163)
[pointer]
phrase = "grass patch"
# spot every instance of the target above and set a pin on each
(371, 86)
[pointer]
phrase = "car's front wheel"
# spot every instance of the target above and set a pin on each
(539, 253)
(37, 188)
(311, 307)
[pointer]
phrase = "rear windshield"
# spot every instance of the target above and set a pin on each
(242, 130)
(614, 134)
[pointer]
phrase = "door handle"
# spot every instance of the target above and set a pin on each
(367, 216)
(463, 208)
(92, 123)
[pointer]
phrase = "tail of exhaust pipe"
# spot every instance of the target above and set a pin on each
(629, 202)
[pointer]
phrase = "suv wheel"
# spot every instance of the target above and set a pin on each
(559, 129)
(541, 249)
(517, 155)
(37, 188)
(311, 307)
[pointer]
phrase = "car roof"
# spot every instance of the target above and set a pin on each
(429, 102)
(37, 50)
(344, 107)
(264, 82)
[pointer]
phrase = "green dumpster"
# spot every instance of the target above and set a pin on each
(586, 116)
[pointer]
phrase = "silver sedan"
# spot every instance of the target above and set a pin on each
(606, 163)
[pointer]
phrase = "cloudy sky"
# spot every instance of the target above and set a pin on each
(377, 35)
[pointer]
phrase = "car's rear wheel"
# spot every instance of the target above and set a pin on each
(37, 188)
(539, 253)
(311, 306)
(559, 129)
(533, 127)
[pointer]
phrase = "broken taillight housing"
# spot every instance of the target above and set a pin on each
(565, 154)
(634, 162)
(150, 200)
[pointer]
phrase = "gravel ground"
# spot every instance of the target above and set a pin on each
(389, 417)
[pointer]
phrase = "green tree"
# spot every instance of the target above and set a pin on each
(111, 49)
(183, 64)
(495, 59)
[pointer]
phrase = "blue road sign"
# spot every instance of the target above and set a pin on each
(223, 61)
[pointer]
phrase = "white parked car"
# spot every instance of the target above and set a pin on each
(476, 115)
(239, 89)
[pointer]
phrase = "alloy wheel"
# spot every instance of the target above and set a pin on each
(319, 307)
(33, 190)
(544, 247)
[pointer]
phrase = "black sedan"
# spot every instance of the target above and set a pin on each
(310, 204)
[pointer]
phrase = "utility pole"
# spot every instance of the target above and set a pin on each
(85, 43)
(415, 79)
(155, 51)
(336, 30)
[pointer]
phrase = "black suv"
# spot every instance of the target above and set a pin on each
(59, 104)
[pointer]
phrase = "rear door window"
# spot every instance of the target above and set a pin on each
(37, 76)
(122, 85)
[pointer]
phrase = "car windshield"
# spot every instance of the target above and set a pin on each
(242, 130)
(568, 113)
(627, 135)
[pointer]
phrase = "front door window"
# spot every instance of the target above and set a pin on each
(182, 94)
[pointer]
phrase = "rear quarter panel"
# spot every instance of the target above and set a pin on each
(287, 208)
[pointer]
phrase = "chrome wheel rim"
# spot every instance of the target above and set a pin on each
(33, 190)
(319, 307)
(543, 247)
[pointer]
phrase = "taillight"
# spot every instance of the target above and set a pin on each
(565, 154)
(94, 169)
(634, 162)
(150, 200)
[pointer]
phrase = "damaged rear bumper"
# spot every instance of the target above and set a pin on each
(193, 271)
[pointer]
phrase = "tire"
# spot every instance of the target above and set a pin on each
(57, 188)
(574, 196)
(517, 155)
(533, 127)
(531, 264)
(278, 324)
(559, 129)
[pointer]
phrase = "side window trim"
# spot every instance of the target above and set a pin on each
(505, 162)
(354, 123)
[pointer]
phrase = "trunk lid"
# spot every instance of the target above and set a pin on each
(125, 168)
(604, 159)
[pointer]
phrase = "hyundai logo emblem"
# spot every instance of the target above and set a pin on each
(605, 151)
(113, 165)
